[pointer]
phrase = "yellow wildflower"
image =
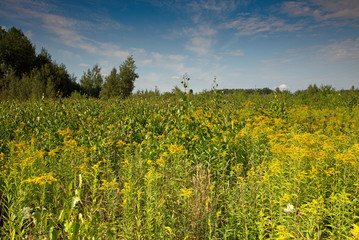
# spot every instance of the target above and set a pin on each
(152, 175)
(41, 180)
(65, 132)
(161, 161)
(70, 143)
(175, 149)
(108, 185)
(121, 143)
(54, 151)
(169, 231)
(283, 233)
(285, 198)
(329, 171)
(186, 192)
(109, 142)
(355, 232)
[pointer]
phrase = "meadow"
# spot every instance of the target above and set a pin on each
(204, 166)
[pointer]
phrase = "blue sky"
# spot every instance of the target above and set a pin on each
(243, 43)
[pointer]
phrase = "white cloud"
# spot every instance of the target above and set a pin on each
(84, 65)
(212, 5)
(66, 29)
(201, 39)
(299, 8)
(344, 50)
(199, 45)
(167, 62)
(251, 25)
(323, 10)
(283, 86)
(209, 10)
(177, 57)
(202, 30)
(276, 61)
(235, 52)
(145, 61)
(29, 33)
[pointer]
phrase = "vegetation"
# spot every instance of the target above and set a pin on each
(25, 75)
(122, 83)
(91, 81)
(175, 166)
(223, 164)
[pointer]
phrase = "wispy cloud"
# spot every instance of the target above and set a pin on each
(210, 9)
(199, 45)
(67, 30)
(168, 62)
(213, 5)
(201, 31)
(235, 52)
(171, 62)
(323, 10)
(251, 25)
(344, 50)
(276, 61)
(200, 38)
(199, 9)
(85, 65)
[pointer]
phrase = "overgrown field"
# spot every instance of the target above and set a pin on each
(206, 166)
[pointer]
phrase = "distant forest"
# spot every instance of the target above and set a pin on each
(27, 75)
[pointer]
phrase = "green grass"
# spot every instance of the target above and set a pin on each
(170, 167)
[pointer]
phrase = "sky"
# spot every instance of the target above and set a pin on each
(240, 43)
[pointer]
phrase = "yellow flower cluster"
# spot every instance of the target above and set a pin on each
(41, 180)
(186, 192)
(105, 185)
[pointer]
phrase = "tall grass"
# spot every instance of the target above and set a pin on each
(169, 167)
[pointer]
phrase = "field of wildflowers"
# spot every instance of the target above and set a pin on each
(206, 166)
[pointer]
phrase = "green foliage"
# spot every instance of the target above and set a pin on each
(16, 53)
(128, 76)
(47, 81)
(91, 82)
(111, 87)
(166, 167)
(25, 75)
(120, 84)
(43, 58)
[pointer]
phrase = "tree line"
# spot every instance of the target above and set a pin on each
(25, 74)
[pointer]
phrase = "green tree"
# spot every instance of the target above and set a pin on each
(42, 58)
(127, 76)
(122, 83)
(23, 74)
(16, 52)
(9, 86)
(91, 82)
(111, 87)
(48, 80)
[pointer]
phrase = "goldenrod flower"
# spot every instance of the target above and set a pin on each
(355, 232)
(186, 192)
(41, 180)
